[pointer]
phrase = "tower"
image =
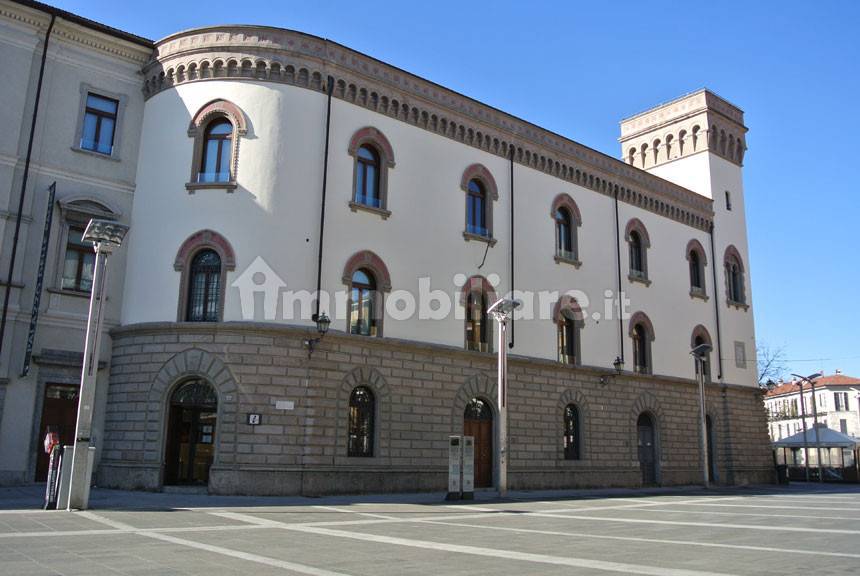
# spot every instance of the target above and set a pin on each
(698, 141)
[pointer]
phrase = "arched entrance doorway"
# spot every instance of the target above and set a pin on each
(647, 449)
(712, 463)
(191, 433)
(478, 422)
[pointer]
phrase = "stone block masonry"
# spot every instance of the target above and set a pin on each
(421, 391)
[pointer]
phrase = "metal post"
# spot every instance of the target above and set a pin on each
(79, 492)
(703, 423)
(815, 429)
(502, 449)
(803, 421)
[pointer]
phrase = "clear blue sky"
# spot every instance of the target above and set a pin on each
(577, 68)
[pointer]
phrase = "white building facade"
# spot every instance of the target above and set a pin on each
(274, 166)
(835, 405)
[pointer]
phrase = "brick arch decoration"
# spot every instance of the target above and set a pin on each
(567, 302)
(732, 252)
(369, 260)
(477, 283)
(477, 385)
(564, 200)
(575, 397)
(637, 225)
(695, 245)
(641, 318)
(197, 130)
(700, 330)
(205, 239)
(374, 137)
(373, 379)
(191, 363)
(647, 403)
(481, 173)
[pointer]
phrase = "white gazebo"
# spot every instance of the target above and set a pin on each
(839, 454)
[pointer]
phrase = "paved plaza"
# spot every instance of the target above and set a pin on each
(794, 530)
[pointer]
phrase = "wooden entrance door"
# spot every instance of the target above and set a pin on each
(191, 434)
(478, 422)
(59, 414)
(647, 450)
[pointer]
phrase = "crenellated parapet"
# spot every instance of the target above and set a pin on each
(262, 54)
(689, 125)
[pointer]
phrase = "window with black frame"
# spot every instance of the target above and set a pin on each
(641, 361)
(362, 407)
(99, 124)
(79, 262)
(564, 245)
(204, 287)
(571, 433)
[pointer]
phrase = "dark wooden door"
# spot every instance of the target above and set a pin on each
(59, 414)
(478, 422)
(191, 433)
(647, 451)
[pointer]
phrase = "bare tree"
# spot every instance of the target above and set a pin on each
(771, 363)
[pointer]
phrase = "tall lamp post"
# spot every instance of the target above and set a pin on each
(700, 352)
(105, 236)
(811, 379)
(502, 311)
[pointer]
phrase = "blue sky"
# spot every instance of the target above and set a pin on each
(577, 68)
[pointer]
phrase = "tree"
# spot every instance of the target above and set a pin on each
(771, 363)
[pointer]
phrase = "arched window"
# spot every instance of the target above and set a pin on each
(695, 137)
(564, 247)
(567, 339)
(477, 322)
(682, 136)
(638, 242)
(695, 271)
(217, 152)
(367, 177)
(641, 335)
(572, 438)
(362, 413)
(644, 150)
(698, 340)
(631, 156)
(669, 139)
(735, 290)
(696, 261)
(204, 287)
(363, 309)
(476, 209)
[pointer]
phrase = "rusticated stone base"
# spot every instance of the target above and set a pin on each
(421, 392)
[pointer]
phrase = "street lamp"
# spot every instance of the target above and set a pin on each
(323, 322)
(811, 379)
(105, 235)
(503, 310)
(699, 353)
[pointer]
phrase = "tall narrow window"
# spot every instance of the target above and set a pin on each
(706, 361)
(567, 336)
(728, 201)
(637, 258)
(362, 408)
(477, 337)
(215, 164)
(735, 291)
(695, 271)
(362, 315)
(476, 209)
(641, 361)
(80, 259)
(99, 124)
(367, 177)
(204, 287)
(571, 432)
(564, 234)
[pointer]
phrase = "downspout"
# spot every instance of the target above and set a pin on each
(618, 269)
(24, 180)
(511, 343)
(329, 90)
(716, 305)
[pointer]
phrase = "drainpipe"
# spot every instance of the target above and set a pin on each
(511, 343)
(329, 89)
(618, 268)
(716, 305)
(24, 180)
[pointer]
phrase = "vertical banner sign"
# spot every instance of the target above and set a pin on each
(454, 467)
(468, 467)
(40, 279)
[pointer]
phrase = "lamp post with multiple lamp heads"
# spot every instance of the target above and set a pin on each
(502, 311)
(106, 236)
(811, 380)
(700, 352)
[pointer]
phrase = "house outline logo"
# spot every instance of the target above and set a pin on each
(259, 277)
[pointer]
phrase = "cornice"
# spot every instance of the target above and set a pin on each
(242, 53)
